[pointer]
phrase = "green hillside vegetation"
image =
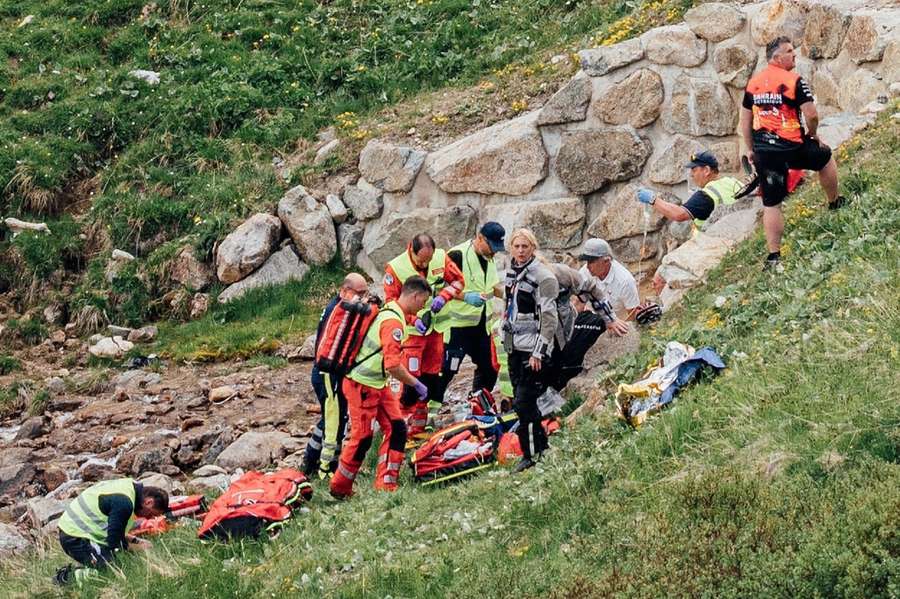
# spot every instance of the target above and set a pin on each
(90, 149)
(778, 478)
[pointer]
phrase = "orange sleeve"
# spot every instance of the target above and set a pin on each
(392, 284)
(391, 335)
(454, 279)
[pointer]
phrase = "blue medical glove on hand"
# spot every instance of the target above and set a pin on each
(645, 196)
(420, 326)
(437, 303)
(421, 389)
(473, 298)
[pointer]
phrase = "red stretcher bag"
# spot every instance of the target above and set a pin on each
(256, 502)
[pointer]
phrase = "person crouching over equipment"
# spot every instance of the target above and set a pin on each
(96, 523)
(529, 326)
(369, 397)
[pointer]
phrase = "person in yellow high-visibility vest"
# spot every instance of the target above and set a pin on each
(96, 523)
(466, 322)
(423, 347)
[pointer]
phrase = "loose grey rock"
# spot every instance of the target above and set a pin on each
(336, 208)
(350, 238)
(570, 103)
(187, 270)
(246, 248)
(390, 167)
(309, 224)
(254, 450)
(281, 267)
(42, 510)
(715, 21)
(600, 61)
(364, 200)
(674, 44)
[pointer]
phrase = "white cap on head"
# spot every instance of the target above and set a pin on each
(595, 248)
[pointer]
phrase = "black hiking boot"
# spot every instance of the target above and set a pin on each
(64, 575)
(524, 464)
(839, 202)
(773, 263)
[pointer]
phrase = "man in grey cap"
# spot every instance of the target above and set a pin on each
(616, 280)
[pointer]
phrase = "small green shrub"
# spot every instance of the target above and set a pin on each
(29, 330)
(46, 253)
(9, 364)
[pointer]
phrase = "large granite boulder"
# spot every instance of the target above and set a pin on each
(668, 167)
(309, 224)
(557, 223)
(247, 247)
(600, 61)
(588, 160)
(636, 100)
(890, 62)
(11, 540)
(778, 17)
(364, 200)
(860, 88)
(869, 34)
(621, 215)
(826, 27)
(674, 44)
(734, 63)
(385, 238)
(715, 21)
(390, 167)
(699, 106)
(728, 153)
(281, 267)
(255, 450)
(507, 158)
(569, 104)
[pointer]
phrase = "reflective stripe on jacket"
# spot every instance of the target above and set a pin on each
(369, 371)
(83, 518)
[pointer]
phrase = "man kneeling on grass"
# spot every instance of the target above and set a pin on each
(96, 523)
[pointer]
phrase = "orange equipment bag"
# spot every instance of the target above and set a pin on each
(256, 502)
(343, 336)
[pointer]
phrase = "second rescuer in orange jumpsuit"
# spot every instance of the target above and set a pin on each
(423, 350)
(369, 397)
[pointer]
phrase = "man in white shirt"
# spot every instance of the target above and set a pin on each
(618, 282)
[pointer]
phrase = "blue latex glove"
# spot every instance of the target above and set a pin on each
(422, 390)
(421, 326)
(473, 298)
(437, 303)
(645, 196)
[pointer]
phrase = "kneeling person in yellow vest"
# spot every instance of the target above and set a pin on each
(96, 523)
(369, 397)
(714, 190)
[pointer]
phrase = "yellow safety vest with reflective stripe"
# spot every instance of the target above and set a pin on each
(370, 370)
(404, 269)
(459, 313)
(722, 191)
(83, 518)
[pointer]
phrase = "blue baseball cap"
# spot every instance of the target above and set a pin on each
(494, 233)
(703, 159)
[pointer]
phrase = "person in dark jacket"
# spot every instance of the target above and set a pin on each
(96, 523)
(323, 449)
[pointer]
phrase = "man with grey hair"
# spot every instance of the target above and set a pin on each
(616, 281)
(776, 139)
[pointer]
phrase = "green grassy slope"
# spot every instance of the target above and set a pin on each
(148, 168)
(779, 478)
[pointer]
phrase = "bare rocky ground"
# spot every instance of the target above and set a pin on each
(163, 421)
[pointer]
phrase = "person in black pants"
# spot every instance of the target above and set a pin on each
(529, 329)
(320, 454)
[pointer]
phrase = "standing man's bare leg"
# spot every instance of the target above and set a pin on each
(828, 178)
(773, 224)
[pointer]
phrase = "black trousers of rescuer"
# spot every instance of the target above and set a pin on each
(83, 551)
(474, 342)
(528, 385)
